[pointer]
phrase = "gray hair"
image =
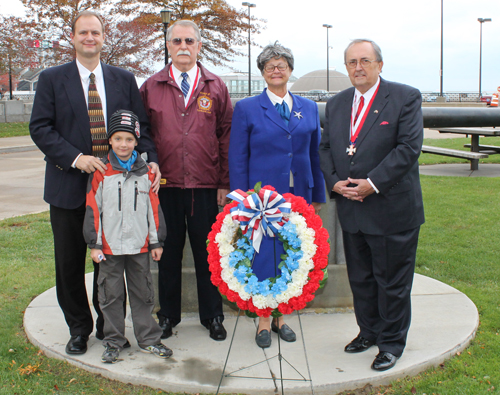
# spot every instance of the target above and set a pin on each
(376, 48)
(274, 51)
(185, 23)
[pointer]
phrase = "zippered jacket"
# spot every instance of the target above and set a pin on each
(192, 141)
(123, 215)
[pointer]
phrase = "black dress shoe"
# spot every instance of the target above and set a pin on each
(77, 345)
(217, 330)
(285, 332)
(359, 344)
(166, 326)
(263, 338)
(384, 361)
(100, 336)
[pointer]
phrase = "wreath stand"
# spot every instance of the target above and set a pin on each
(279, 356)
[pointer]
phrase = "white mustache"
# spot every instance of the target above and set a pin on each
(183, 52)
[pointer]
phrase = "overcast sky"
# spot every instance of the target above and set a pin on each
(408, 33)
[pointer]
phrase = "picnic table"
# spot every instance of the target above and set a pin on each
(477, 151)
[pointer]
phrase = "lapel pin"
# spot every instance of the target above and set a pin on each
(297, 114)
(376, 111)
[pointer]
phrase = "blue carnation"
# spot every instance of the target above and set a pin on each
(264, 287)
(235, 257)
(241, 274)
(279, 287)
(253, 285)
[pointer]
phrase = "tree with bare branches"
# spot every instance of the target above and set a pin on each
(15, 51)
(134, 33)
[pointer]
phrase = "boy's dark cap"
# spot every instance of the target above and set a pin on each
(124, 121)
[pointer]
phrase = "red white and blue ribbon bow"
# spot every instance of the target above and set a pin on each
(259, 213)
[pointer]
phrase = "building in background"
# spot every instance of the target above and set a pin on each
(316, 80)
(237, 83)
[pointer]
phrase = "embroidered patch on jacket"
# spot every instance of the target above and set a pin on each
(204, 104)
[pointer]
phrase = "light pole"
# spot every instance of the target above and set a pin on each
(441, 68)
(165, 18)
(249, 5)
(327, 58)
(481, 21)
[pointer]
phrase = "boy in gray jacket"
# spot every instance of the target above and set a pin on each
(123, 223)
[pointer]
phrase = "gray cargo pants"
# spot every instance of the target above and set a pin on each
(141, 299)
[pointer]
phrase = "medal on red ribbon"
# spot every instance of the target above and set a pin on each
(351, 150)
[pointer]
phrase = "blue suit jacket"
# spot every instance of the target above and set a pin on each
(387, 151)
(263, 148)
(60, 126)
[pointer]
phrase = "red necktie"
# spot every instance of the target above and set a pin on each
(360, 107)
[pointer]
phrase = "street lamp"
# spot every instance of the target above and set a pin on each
(481, 21)
(165, 18)
(249, 5)
(441, 68)
(327, 58)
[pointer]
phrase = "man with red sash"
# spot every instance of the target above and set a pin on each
(190, 112)
(369, 156)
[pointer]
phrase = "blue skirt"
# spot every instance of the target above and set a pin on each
(265, 263)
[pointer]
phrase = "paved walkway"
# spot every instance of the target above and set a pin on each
(444, 322)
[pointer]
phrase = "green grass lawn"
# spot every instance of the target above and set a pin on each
(458, 246)
(14, 129)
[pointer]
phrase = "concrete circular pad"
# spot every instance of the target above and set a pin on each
(444, 321)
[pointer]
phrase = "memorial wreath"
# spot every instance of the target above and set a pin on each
(235, 239)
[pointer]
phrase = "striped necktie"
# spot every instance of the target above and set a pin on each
(184, 84)
(100, 145)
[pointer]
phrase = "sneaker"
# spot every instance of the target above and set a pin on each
(158, 350)
(110, 354)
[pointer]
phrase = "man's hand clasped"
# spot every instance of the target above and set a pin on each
(358, 193)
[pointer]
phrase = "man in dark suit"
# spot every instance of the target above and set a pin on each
(60, 126)
(369, 156)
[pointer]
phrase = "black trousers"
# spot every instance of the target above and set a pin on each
(380, 270)
(70, 251)
(195, 209)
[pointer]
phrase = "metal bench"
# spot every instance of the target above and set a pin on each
(472, 156)
(491, 149)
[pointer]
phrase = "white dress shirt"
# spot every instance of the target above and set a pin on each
(99, 83)
(368, 95)
(275, 99)
(192, 74)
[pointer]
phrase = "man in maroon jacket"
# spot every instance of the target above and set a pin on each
(190, 113)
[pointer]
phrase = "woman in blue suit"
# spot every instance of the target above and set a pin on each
(274, 140)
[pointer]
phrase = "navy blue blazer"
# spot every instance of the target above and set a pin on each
(263, 148)
(60, 126)
(387, 151)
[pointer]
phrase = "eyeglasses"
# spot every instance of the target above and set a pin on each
(178, 41)
(362, 62)
(270, 68)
